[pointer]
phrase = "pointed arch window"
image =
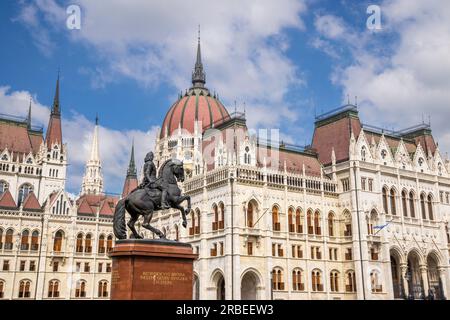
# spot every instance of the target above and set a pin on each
(430, 207)
(79, 246)
(35, 241)
(422, 206)
(215, 224)
(25, 241)
(250, 214)
(1, 238)
(9, 239)
(101, 244)
(109, 243)
(24, 191)
(392, 196)
(291, 220)
(57, 242)
(404, 203)
(275, 219)
(309, 221)
(331, 224)
(363, 153)
(88, 244)
(412, 210)
(317, 227)
(53, 289)
(80, 290)
(103, 289)
(299, 221)
(385, 200)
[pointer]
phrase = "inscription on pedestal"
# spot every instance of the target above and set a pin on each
(165, 278)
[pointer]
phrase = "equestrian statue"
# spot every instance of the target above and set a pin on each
(153, 194)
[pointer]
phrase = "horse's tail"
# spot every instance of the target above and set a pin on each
(120, 229)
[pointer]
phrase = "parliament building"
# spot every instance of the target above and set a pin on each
(360, 213)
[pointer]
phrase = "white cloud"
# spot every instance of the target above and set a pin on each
(154, 42)
(115, 145)
(401, 73)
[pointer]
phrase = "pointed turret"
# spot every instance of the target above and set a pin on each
(93, 180)
(29, 117)
(131, 181)
(198, 76)
(54, 132)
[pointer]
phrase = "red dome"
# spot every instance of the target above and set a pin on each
(196, 105)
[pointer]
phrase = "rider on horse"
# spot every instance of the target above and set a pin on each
(150, 181)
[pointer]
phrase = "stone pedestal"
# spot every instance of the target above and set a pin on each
(152, 270)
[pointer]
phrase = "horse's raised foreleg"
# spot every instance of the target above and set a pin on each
(184, 212)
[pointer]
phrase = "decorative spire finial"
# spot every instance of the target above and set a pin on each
(198, 76)
(96, 119)
(56, 105)
(131, 172)
(29, 115)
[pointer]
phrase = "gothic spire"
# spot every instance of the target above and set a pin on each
(131, 172)
(29, 117)
(93, 179)
(198, 76)
(56, 106)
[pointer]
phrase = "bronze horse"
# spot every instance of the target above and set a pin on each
(143, 202)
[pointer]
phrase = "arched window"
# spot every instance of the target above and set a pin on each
(347, 223)
(250, 214)
(412, 210)
(88, 244)
(372, 221)
(297, 281)
(275, 219)
(277, 279)
(53, 289)
(299, 221)
(363, 153)
(221, 215)
(309, 222)
(57, 242)
(3, 187)
(103, 289)
(2, 289)
(109, 243)
(79, 247)
(404, 204)
(9, 239)
(80, 290)
(25, 240)
(215, 224)
(430, 207)
(291, 220)
(393, 205)
(317, 228)
(1, 238)
(197, 227)
(350, 284)
(422, 206)
(101, 244)
(334, 281)
(375, 282)
(35, 241)
(24, 289)
(316, 280)
(385, 201)
(24, 191)
(331, 224)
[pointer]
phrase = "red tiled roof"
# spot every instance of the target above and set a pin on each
(427, 142)
(90, 204)
(85, 208)
(16, 137)
(105, 209)
(54, 132)
(192, 107)
(294, 161)
(335, 134)
(129, 185)
(7, 201)
(31, 202)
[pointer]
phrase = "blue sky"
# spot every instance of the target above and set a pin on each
(287, 60)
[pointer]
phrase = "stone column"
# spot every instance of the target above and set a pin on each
(403, 270)
(443, 282)
(424, 277)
